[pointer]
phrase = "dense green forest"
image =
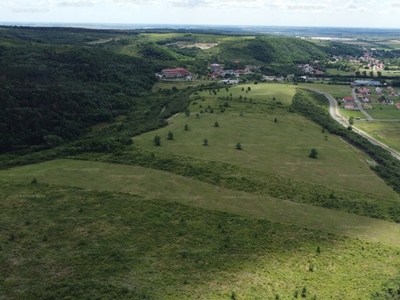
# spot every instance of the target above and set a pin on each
(51, 94)
(271, 50)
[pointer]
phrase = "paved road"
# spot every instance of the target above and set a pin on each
(334, 111)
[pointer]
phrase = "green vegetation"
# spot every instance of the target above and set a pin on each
(141, 207)
(382, 111)
(313, 106)
(104, 244)
(313, 153)
(387, 132)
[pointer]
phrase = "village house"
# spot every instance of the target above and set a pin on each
(175, 73)
(349, 102)
(215, 67)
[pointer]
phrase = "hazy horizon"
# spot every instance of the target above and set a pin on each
(327, 13)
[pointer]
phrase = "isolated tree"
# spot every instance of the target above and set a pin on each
(364, 73)
(275, 120)
(349, 127)
(273, 98)
(304, 292)
(379, 73)
(205, 142)
(351, 120)
(216, 124)
(197, 115)
(313, 153)
(238, 146)
(187, 112)
(157, 140)
(323, 130)
(249, 89)
(34, 180)
(357, 73)
(242, 89)
(186, 127)
(371, 73)
(170, 135)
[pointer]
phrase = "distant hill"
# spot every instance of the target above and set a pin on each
(269, 50)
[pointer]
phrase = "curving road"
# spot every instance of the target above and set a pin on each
(335, 113)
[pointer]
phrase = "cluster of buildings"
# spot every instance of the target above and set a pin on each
(364, 94)
(366, 82)
(307, 68)
(176, 73)
(218, 71)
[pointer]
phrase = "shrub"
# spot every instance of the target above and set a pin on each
(313, 153)
(170, 135)
(157, 140)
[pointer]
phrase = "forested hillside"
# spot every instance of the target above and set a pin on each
(271, 50)
(50, 94)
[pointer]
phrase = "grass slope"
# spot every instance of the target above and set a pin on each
(155, 184)
(62, 242)
(281, 147)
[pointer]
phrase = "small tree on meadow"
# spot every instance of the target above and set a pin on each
(170, 135)
(216, 124)
(313, 153)
(157, 140)
(205, 142)
(275, 120)
(186, 127)
(187, 112)
(238, 146)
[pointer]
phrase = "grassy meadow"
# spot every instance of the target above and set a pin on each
(94, 230)
(382, 111)
(154, 184)
(281, 146)
(386, 132)
(66, 242)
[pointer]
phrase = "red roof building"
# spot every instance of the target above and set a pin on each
(177, 72)
(348, 99)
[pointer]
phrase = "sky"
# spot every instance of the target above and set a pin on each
(323, 13)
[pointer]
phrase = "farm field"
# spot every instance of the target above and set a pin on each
(66, 242)
(386, 132)
(333, 89)
(331, 71)
(382, 111)
(347, 113)
(265, 144)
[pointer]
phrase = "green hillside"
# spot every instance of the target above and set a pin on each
(59, 242)
(269, 50)
(118, 185)
(53, 94)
